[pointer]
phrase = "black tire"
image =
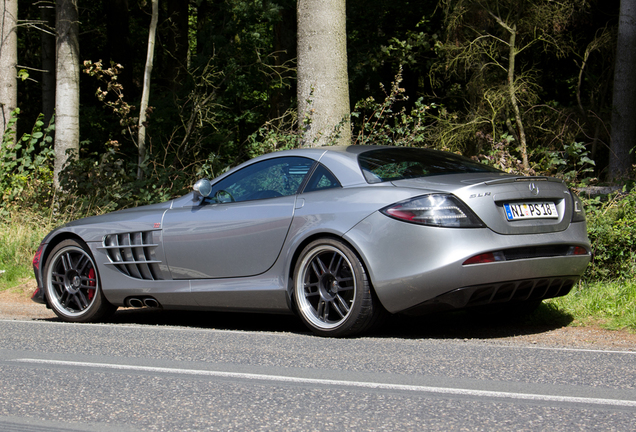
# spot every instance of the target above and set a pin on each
(72, 284)
(332, 292)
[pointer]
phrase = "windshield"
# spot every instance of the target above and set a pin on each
(388, 164)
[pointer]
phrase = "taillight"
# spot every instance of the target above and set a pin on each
(484, 258)
(37, 257)
(434, 210)
(577, 250)
(526, 253)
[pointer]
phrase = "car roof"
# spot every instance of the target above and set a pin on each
(342, 161)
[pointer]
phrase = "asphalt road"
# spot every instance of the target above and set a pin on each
(183, 375)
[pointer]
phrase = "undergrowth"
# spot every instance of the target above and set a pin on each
(20, 235)
(611, 305)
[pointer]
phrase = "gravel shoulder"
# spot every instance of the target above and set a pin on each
(16, 304)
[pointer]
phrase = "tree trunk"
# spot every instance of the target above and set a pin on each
(145, 95)
(623, 139)
(323, 83)
(47, 14)
(8, 61)
(512, 91)
(67, 85)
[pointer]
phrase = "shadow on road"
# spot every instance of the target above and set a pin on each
(469, 324)
(450, 325)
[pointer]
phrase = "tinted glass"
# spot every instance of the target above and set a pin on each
(321, 179)
(267, 179)
(402, 163)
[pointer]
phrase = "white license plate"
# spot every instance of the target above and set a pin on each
(535, 210)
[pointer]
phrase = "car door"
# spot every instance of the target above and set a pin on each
(240, 229)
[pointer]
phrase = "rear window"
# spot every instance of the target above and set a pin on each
(398, 163)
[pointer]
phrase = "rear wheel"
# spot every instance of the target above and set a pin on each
(72, 284)
(332, 291)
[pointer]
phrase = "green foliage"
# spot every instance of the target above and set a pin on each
(248, 45)
(498, 153)
(26, 171)
(611, 226)
(572, 162)
(100, 183)
(384, 123)
(21, 232)
(555, 79)
(612, 304)
(275, 135)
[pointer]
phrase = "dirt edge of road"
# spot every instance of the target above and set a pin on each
(16, 304)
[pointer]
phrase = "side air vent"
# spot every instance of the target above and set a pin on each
(133, 254)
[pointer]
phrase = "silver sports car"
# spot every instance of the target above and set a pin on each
(337, 235)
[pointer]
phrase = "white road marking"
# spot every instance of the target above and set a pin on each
(359, 384)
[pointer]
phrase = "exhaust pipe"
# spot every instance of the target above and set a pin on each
(150, 302)
(135, 302)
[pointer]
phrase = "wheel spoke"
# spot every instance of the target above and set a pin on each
(337, 308)
(86, 282)
(82, 262)
(323, 310)
(66, 261)
(343, 304)
(65, 298)
(319, 266)
(320, 309)
(342, 287)
(81, 300)
(336, 261)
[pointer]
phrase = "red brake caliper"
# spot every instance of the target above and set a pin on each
(91, 292)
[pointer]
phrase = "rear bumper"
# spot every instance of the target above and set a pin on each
(497, 293)
(410, 265)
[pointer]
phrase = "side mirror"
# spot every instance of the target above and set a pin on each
(203, 187)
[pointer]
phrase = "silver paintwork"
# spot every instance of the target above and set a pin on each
(240, 256)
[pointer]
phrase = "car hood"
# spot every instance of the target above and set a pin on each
(121, 215)
(94, 228)
(487, 193)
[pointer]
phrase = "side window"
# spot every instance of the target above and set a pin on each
(267, 179)
(321, 179)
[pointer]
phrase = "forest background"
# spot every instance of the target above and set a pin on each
(438, 74)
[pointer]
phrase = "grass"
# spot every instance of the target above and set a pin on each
(610, 304)
(20, 236)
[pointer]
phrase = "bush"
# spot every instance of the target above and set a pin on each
(26, 168)
(611, 227)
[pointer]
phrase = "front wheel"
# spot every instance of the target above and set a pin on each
(72, 284)
(331, 290)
